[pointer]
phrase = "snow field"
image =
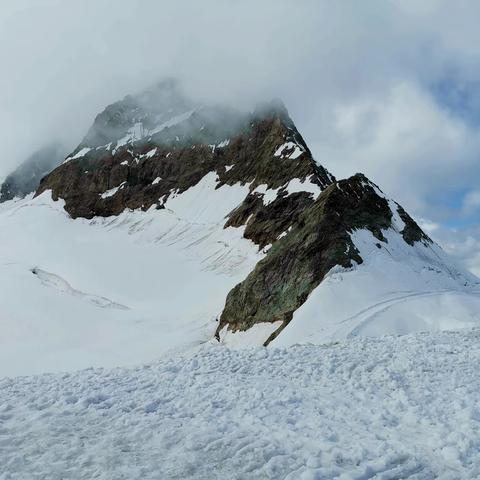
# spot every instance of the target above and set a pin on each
(380, 408)
(168, 270)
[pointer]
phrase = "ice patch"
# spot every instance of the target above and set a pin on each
(269, 194)
(297, 185)
(224, 143)
(297, 150)
(293, 186)
(81, 153)
(397, 222)
(151, 153)
(112, 191)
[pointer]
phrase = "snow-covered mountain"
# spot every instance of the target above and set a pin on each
(175, 223)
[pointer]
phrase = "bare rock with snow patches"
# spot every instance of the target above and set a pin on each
(159, 150)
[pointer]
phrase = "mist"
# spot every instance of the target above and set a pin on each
(362, 80)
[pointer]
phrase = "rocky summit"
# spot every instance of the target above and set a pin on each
(150, 148)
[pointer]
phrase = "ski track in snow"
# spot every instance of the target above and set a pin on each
(380, 408)
(382, 307)
(55, 281)
(362, 318)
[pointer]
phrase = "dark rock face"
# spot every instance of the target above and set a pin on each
(317, 241)
(26, 178)
(240, 148)
(412, 232)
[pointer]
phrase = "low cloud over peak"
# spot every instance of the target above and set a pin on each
(384, 87)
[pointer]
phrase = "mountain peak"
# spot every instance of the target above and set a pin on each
(274, 108)
(158, 150)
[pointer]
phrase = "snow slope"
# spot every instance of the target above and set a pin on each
(398, 289)
(119, 290)
(385, 408)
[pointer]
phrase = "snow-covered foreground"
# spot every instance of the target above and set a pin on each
(377, 408)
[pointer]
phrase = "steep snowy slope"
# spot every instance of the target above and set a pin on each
(173, 223)
(383, 409)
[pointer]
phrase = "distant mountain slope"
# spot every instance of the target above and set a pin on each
(175, 222)
(26, 178)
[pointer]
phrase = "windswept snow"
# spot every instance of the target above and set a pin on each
(138, 130)
(387, 408)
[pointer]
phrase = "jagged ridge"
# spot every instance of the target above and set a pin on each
(318, 239)
(145, 171)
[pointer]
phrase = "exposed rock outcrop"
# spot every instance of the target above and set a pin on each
(318, 238)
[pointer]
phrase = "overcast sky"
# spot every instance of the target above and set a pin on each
(386, 87)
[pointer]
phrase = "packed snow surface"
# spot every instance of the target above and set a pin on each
(380, 408)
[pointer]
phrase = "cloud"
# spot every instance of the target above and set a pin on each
(387, 87)
(471, 202)
(463, 245)
(418, 152)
